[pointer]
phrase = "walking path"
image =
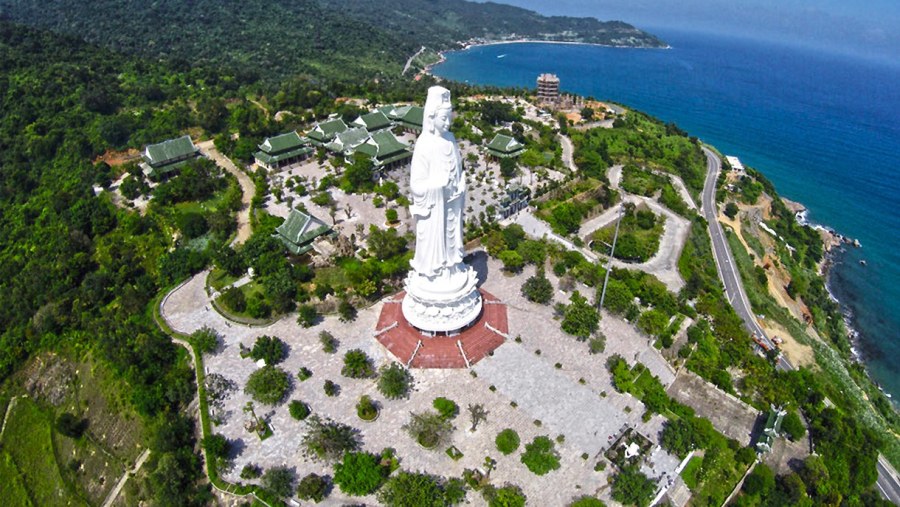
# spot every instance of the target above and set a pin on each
(128, 473)
(411, 58)
(248, 189)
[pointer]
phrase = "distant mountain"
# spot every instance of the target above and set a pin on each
(344, 39)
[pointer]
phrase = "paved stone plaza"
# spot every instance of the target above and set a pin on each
(576, 400)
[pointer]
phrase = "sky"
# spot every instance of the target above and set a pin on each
(867, 27)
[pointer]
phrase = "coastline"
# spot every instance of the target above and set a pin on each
(472, 43)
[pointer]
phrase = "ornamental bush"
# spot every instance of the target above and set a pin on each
(268, 385)
(357, 365)
(540, 456)
(328, 440)
(268, 348)
(538, 289)
(507, 441)
(447, 408)
(359, 473)
(298, 410)
(313, 487)
(394, 381)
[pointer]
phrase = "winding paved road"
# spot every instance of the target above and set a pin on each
(734, 288)
(248, 189)
(888, 482)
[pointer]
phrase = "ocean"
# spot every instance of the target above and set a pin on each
(824, 128)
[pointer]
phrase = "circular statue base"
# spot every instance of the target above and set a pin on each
(443, 304)
(419, 349)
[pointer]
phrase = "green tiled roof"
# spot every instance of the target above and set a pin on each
(170, 151)
(387, 110)
(503, 145)
(373, 121)
(268, 159)
(299, 230)
(384, 148)
(284, 142)
(409, 116)
(326, 131)
(348, 140)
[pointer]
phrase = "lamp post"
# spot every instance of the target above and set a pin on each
(612, 251)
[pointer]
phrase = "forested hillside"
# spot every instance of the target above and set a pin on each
(278, 38)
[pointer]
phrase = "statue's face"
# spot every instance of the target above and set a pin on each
(442, 120)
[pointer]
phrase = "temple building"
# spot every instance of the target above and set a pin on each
(279, 151)
(300, 231)
(325, 132)
(548, 89)
(372, 122)
(408, 118)
(386, 151)
(503, 146)
(345, 142)
(516, 199)
(771, 430)
(161, 160)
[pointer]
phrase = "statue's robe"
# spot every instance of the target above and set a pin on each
(438, 195)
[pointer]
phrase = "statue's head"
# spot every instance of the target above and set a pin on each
(438, 111)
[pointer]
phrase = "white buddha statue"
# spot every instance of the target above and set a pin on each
(441, 288)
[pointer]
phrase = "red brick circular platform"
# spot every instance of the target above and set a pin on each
(419, 350)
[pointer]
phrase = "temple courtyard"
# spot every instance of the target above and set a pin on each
(539, 381)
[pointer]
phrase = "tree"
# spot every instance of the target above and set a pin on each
(478, 414)
(358, 175)
(359, 473)
(233, 299)
(507, 441)
(313, 487)
(540, 456)
(410, 489)
(279, 481)
(357, 365)
(731, 210)
(587, 501)
(512, 261)
(346, 311)
(587, 113)
(390, 214)
(538, 289)
(631, 487)
(793, 426)
(328, 440)
(678, 437)
(71, 426)
(329, 342)
(760, 482)
(508, 167)
(206, 339)
(429, 429)
(366, 409)
(653, 322)
(268, 385)
(385, 244)
(507, 496)
(268, 348)
(394, 381)
(579, 318)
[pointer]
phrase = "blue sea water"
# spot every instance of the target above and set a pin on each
(824, 128)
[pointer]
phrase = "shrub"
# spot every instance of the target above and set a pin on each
(394, 381)
(366, 408)
(268, 348)
(731, 210)
(268, 385)
(631, 487)
(540, 456)
(206, 339)
(346, 311)
(330, 388)
(328, 341)
(538, 289)
(313, 487)
(597, 344)
(447, 408)
(304, 374)
(250, 471)
(587, 501)
(512, 261)
(507, 441)
(391, 215)
(428, 428)
(580, 319)
(298, 410)
(357, 365)
(359, 473)
(418, 489)
(507, 496)
(307, 315)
